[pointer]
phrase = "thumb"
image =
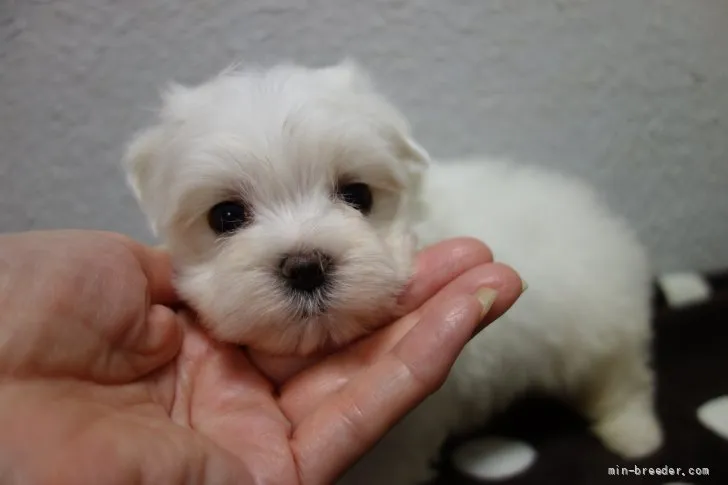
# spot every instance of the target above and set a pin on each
(150, 344)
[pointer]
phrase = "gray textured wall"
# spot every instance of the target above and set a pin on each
(631, 94)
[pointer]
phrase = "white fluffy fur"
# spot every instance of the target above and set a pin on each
(280, 139)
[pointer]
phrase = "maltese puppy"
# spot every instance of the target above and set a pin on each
(292, 201)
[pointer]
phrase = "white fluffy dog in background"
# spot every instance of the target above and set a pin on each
(292, 200)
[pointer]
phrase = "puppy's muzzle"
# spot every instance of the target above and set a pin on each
(306, 271)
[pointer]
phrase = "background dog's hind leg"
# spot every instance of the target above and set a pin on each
(618, 398)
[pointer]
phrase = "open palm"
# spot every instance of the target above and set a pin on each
(103, 384)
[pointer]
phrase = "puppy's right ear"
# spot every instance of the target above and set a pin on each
(138, 162)
(347, 74)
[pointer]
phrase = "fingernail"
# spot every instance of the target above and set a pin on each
(524, 286)
(486, 297)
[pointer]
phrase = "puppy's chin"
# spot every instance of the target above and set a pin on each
(323, 333)
(302, 334)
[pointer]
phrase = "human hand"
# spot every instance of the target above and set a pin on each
(99, 382)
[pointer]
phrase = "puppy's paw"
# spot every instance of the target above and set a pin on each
(633, 431)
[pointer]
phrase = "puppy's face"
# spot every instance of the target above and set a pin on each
(284, 198)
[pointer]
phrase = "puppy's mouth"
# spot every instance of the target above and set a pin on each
(309, 304)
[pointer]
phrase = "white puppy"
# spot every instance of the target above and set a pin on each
(291, 199)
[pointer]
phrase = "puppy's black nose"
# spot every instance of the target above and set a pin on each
(305, 271)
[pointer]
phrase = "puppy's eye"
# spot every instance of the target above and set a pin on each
(226, 217)
(357, 195)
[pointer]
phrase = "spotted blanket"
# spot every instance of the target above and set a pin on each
(538, 441)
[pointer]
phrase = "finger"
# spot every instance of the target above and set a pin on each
(300, 396)
(157, 267)
(155, 263)
(348, 423)
(163, 337)
(438, 265)
(149, 346)
(497, 276)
